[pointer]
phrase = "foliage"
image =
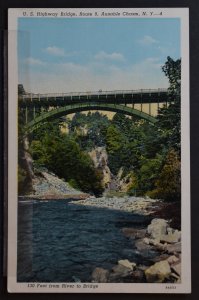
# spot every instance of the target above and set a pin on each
(169, 118)
(134, 186)
(148, 173)
(168, 185)
(62, 155)
(89, 130)
(150, 153)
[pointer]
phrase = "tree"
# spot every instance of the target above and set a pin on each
(169, 118)
(21, 90)
(148, 173)
(63, 156)
(113, 139)
(114, 144)
(168, 185)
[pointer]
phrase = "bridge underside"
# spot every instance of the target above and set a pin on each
(69, 109)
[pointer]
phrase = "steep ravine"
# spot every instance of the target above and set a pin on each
(118, 183)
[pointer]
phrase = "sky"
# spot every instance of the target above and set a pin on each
(81, 55)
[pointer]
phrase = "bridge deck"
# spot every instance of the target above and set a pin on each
(117, 97)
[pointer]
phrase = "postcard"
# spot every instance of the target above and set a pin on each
(98, 160)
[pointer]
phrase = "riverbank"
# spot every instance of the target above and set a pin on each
(159, 236)
(47, 186)
(154, 236)
(106, 240)
(137, 205)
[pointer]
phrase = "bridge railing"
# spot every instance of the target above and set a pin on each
(92, 93)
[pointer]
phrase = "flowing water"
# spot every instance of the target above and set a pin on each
(63, 242)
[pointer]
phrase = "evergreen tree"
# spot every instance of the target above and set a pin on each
(169, 118)
(168, 185)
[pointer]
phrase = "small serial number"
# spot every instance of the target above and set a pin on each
(170, 287)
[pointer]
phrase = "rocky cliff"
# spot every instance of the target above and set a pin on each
(100, 159)
(110, 182)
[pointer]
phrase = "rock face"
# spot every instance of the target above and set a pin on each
(158, 272)
(26, 163)
(28, 158)
(110, 182)
(100, 159)
(124, 182)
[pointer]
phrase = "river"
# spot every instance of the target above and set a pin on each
(63, 242)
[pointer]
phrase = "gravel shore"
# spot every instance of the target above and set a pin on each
(144, 206)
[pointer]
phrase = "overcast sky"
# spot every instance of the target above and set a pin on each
(67, 55)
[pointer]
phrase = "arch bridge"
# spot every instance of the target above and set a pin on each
(38, 108)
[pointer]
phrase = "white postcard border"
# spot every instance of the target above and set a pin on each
(13, 285)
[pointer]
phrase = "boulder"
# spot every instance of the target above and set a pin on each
(100, 275)
(146, 241)
(134, 233)
(143, 248)
(158, 272)
(118, 273)
(177, 268)
(157, 228)
(172, 259)
(142, 267)
(173, 275)
(171, 237)
(126, 263)
(121, 270)
(170, 230)
(159, 258)
(145, 251)
(173, 248)
(153, 242)
(100, 160)
(161, 247)
(138, 276)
